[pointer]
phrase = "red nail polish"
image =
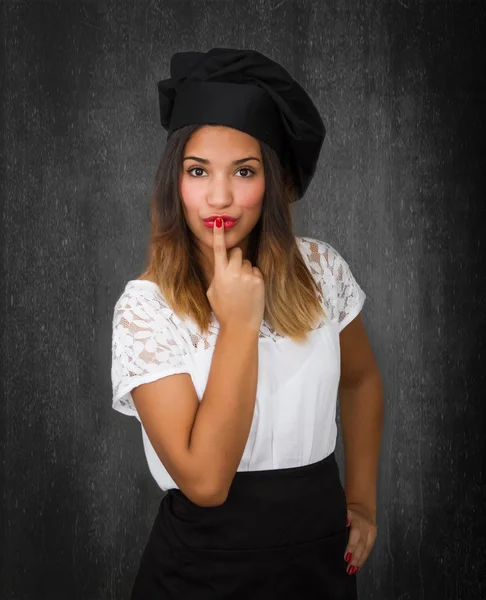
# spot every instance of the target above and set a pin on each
(357, 569)
(348, 522)
(348, 557)
(219, 222)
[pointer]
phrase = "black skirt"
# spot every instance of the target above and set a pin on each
(280, 534)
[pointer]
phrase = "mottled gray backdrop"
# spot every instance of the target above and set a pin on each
(399, 191)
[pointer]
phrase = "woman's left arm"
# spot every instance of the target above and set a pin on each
(362, 414)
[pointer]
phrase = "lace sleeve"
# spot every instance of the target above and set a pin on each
(348, 295)
(143, 347)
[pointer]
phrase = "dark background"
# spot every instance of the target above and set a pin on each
(399, 191)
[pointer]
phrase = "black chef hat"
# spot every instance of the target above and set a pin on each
(245, 90)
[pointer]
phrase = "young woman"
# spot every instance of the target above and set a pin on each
(232, 346)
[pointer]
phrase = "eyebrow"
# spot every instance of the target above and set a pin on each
(207, 162)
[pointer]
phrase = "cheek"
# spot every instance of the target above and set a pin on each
(189, 196)
(252, 198)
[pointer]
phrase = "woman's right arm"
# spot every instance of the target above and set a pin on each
(201, 443)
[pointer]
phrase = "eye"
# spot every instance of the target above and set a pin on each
(246, 169)
(240, 169)
(194, 169)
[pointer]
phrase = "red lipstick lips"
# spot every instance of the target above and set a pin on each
(227, 221)
(224, 217)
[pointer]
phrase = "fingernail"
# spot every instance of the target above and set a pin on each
(348, 522)
(350, 570)
(219, 222)
(348, 557)
(357, 569)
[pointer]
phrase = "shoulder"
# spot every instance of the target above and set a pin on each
(339, 286)
(327, 262)
(314, 244)
(319, 254)
(141, 304)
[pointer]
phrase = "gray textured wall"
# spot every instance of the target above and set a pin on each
(399, 191)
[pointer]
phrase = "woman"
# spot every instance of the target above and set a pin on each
(231, 348)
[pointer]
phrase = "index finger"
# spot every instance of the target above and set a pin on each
(219, 247)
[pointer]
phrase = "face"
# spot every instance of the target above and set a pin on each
(218, 176)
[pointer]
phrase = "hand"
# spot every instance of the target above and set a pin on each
(237, 290)
(362, 536)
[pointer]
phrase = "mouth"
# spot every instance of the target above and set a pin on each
(228, 223)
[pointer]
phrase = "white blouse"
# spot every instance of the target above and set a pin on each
(294, 421)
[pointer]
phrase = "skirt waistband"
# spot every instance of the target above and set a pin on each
(263, 509)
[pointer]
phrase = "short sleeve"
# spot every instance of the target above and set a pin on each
(144, 347)
(349, 297)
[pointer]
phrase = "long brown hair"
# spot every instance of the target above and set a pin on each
(292, 306)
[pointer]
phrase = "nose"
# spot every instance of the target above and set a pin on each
(220, 193)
